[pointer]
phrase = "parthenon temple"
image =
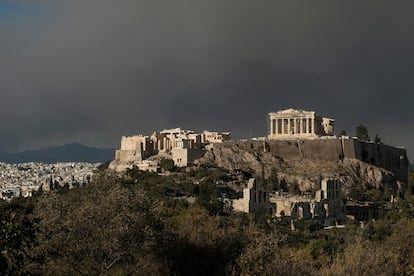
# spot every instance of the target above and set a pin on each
(294, 124)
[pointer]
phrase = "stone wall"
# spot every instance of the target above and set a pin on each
(390, 158)
(384, 156)
(320, 149)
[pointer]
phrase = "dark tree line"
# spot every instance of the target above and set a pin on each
(136, 224)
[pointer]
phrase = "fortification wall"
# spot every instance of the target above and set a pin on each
(390, 158)
(384, 156)
(128, 156)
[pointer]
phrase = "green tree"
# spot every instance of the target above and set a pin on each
(362, 133)
(208, 244)
(268, 254)
(17, 234)
(207, 197)
(167, 165)
(103, 228)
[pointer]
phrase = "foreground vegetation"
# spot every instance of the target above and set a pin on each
(143, 223)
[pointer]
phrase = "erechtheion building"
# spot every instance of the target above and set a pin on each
(298, 124)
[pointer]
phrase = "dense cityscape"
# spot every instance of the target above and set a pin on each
(26, 178)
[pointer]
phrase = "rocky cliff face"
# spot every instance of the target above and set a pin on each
(300, 173)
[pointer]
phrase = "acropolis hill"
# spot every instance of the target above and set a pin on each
(300, 149)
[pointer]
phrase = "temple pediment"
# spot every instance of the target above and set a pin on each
(292, 111)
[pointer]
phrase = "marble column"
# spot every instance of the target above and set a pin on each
(306, 125)
(283, 126)
(287, 126)
(288, 130)
(313, 125)
(282, 122)
(271, 126)
(295, 125)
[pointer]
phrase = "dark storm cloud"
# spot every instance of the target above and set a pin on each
(91, 71)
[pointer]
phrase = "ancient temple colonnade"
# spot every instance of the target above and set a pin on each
(293, 123)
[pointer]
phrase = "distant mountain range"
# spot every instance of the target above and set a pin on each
(73, 152)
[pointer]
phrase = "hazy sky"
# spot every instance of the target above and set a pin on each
(93, 70)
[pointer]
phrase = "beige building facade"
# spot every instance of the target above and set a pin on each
(134, 148)
(182, 146)
(298, 124)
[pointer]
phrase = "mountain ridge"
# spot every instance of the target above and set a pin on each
(72, 152)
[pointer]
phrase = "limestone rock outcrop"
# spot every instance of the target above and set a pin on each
(296, 172)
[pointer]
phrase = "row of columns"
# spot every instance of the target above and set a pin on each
(274, 125)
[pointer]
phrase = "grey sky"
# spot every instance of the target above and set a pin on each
(94, 70)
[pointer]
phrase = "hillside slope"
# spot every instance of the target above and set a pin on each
(301, 172)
